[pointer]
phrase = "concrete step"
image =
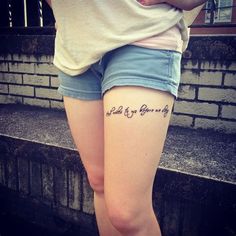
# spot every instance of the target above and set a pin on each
(194, 191)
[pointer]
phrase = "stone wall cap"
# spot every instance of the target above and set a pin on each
(203, 153)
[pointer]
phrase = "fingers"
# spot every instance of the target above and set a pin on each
(150, 2)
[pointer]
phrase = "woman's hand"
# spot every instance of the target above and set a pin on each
(186, 5)
(49, 3)
(150, 2)
(181, 4)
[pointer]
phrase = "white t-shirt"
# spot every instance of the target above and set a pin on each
(87, 29)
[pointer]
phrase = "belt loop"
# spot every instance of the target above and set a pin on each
(100, 61)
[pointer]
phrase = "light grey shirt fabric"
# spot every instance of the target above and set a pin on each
(87, 29)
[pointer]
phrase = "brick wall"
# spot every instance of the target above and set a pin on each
(207, 96)
(207, 93)
(29, 80)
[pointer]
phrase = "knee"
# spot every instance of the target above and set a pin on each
(127, 220)
(96, 181)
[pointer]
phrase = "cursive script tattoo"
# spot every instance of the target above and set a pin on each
(142, 111)
(165, 110)
(115, 111)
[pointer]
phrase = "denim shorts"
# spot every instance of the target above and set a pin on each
(125, 66)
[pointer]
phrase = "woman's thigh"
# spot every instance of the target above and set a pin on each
(85, 119)
(136, 120)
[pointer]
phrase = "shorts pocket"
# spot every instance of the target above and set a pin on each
(162, 62)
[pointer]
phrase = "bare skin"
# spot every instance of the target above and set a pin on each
(120, 149)
(184, 5)
(49, 2)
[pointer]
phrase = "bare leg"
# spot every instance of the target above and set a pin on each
(86, 124)
(136, 122)
(104, 224)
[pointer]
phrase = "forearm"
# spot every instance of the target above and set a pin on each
(186, 4)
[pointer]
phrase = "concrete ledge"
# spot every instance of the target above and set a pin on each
(194, 191)
(27, 44)
(202, 153)
(32, 41)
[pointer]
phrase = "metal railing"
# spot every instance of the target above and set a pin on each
(35, 16)
(25, 13)
(29, 16)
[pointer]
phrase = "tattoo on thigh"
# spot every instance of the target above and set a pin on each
(142, 111)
